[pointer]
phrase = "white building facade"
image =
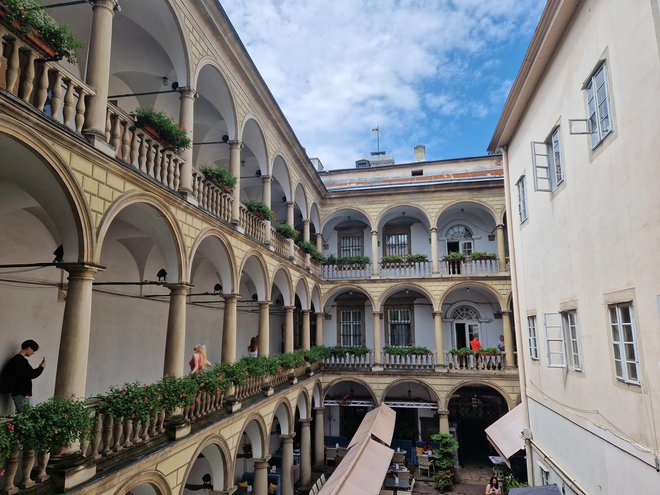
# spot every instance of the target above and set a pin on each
(579, 136)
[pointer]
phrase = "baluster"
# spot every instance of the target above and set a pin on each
(137, 431)
(128, 430)
(205, 198)
(158, 161)
(27, 462)
(27, 82)
(56, 98)
(108, 126)
(11, 466)
(144, 150)
(153, 431)
(135, 143)
(116, 434)
(42, 87)
(97, 431)
(165, 164)
(68, 104)
(125, 142)
(107, 435)
(116, 136)
(151, 155)
(80, 111)
(177, 173)
(13, 66)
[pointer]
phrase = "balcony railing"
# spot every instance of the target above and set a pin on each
(409, 362)
(475, 362)
(114, 438)
(452, 268)
(280, 243)
(406, 269)
(348, 271)
(211, 198)
(254, 226)
(350, 361)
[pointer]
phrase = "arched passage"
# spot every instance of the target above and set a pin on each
(346, 401)
(210, 469)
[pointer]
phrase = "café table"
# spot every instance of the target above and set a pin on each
(396, 485)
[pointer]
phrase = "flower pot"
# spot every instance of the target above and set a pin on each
(29, 35)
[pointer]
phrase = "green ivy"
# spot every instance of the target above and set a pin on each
(35, 20)
(310, 248)
(510, 481)
(407, 351)
(169, 131)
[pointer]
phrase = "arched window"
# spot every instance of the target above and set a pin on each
(466, 325)
(459, 240)
(465, 313)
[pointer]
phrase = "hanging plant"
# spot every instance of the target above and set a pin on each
(161, 127)
(221, 177)
(34, 24)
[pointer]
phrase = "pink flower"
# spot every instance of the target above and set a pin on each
(135, 401)
(198, 400)
(10, 426)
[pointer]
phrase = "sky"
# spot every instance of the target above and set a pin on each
(430, 72)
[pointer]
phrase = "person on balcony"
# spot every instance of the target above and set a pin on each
(500, 345)
(253, 348)
(199, 361)
(17, 375)
(475, 344)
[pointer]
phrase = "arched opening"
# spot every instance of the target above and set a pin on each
(252, 291)
(473, 408)
(251, 446)
(346, 233)
(207, 473)
(254, 163)
(345, 404)
(408, 319)
(404, 231)
(348, 322)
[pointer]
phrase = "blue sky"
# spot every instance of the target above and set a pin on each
(431, 72)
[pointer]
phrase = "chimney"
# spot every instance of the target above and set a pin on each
(420, 153)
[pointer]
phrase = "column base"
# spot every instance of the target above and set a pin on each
(98, 142)
(377, 367)
(440, 368)
(189, 197)
(237, 226)
(232, 405)
(177, 427)
(70, 471)
(267, 390)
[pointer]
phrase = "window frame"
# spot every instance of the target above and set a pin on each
(340, 321)
(555, 340)
(597, 134)
(624, 345)
(533, 338)
(395, 231)
(410, 307)
(521, 187)
(548, 162)
(572, 340)
(347, 234)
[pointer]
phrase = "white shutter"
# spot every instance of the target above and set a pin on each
(579, 126)
(554, 340)
(541, 166)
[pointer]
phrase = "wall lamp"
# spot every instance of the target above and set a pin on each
(217, 290)
(59, 256)
(224, 140)
(161, 275)
(174, 86)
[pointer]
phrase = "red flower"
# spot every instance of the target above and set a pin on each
(10, 426)
(135, 401)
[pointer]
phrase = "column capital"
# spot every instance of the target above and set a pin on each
(305, 422)
(287, 438)
(377, 313)
(81, 269)
(264, 303)
(229, 297)
(306, 311)
(318, 234)
(234, 144)
(434, 229)
(112, 5)
(290, 203)
(506, 312)
(320, 313)
(178, 288)
(288, 308)
(187, 91)
(374, 232)
(437, 313)
(266, 178)
(318, 410)
(261, 463)
(443, 412)
(499, 226)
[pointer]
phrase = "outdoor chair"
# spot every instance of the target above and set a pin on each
(330, 455)
(424, 464)
(314, 490)
(411, 485)
(399, 458)
(404, 476)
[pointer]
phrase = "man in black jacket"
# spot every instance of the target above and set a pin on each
(17, 375)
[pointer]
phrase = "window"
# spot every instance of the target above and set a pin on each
(569, 319)
(399, 326)
(554, 340)
(547, 161)
(533, 343)
(466, 325)
(350, 325)
(598, 103)
(417, 173)
(545, 475)
(624, 342)
(459, 240)
(397, 244)
(350, 245)
(522, 199)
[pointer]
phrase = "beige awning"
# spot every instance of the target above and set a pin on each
(362, 471)
(378, 422)
(506, 433)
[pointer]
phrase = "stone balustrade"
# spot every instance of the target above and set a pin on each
(211, 198)
(279, 242)
(409, 362)
(450, 268)
(346, 271)
(351, 361)
(406, 269)
(475, 362)
(254, 226)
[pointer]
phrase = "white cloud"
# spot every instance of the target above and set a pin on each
(337, 69)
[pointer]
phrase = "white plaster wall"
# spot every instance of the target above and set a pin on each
(419, 236)
(595, 235)
(424, 325)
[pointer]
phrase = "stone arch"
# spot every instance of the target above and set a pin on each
(254, 427)
(283, 282)
(315, 298)
(284, 414)
(230, 270)
(214, 448)
(317, 394)
(484, 205)
(481, 383)
(354, 379)
(403, 286)
(393, 210)
(152, 479)
(179, 264)
(343, 288)
(315, 217)
(429, 388)
(302, 291)
(338, 213)
(252, 135)
(301, 200)
(80, 229)
(208, 61)
(486, 287)
(254, 272)
(303, 404)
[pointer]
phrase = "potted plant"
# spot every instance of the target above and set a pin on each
(161, 127)
(406, 351)
(287, 231)
(7, 441)
(416, 258)
(476, 255)
(310, 248)
(391, 260)
(454, 260)
(331, 259)
(36, 26)
(259, 209)
(220, 177)
(445, 460)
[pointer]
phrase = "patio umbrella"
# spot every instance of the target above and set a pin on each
(536, 490)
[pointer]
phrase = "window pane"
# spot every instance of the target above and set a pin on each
(618, 368)
(626, 317)
(632, 372)
(396, 244)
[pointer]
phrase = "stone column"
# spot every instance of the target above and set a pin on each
(501, 250)
(319, 438)
(175, 341)
(443, 420)
(434, 249)
(306, 230)
(319, 242)
(378, 357)
(306, 336)
(266, 182)
(264, 328)
(375, 266)
(305, 453)
(439, 342)
(98, 69)
(319, 328)
(289, 213)
(260, 476)
(187, 97)
(229, 329)
(71, 375)
(235, 169)
(288, 328)
(287, 464)
(508, 339)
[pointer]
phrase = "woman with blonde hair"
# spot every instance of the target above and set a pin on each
(199, 361)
